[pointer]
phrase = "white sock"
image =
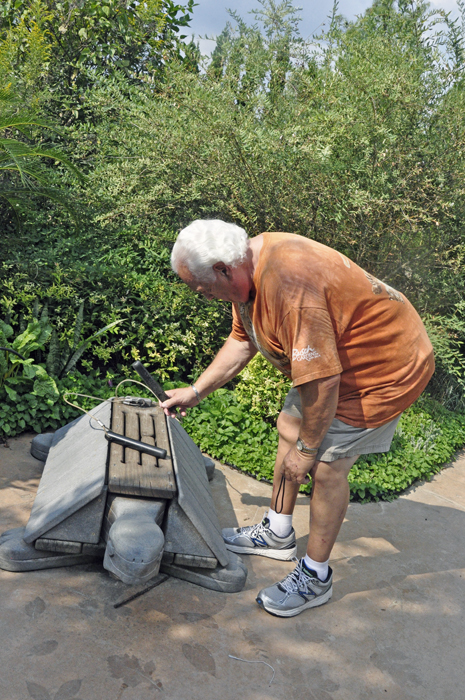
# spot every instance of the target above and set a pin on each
(280, 523)
(319, 567)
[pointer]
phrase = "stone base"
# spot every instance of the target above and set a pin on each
(18, 555)
(40, 446)
(226, 579)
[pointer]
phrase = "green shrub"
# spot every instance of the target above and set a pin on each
(447, 334)
(261, 389)
(426, 438)
(224, 428)
(29, 411)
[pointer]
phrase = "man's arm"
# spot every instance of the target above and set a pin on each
(319, 403)
(231, 359)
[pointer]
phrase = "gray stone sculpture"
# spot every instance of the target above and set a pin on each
(137, 513)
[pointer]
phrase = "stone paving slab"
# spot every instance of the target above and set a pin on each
(394, 629)
(194, 493)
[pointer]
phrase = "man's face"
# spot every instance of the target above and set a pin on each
(229, 284)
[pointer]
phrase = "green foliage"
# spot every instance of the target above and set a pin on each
(21, 166)
(447, 334)
(224, 428)
(29, 411)
(19, 373)
(358, 143)
(62, 356)
(28, 391)
(25, 51)
(165, 328)
(23, 149)
(261, 389)
(426, 438)
(83, 40)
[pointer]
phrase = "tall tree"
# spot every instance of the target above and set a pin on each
(91, 39)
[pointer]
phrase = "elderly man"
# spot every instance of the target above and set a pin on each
(358, 355)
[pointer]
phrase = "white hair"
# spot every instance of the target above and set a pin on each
(206, 242)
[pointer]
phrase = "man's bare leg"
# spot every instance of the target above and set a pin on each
(330, 493)
(328, 505)
(288, 430)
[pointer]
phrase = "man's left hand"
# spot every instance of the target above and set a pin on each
(296, 466)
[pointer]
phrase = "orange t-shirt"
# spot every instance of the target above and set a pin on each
(314, 313)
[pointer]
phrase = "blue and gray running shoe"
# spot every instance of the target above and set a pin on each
(301, 589)
(259, 539)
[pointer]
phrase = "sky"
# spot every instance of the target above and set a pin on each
(210, 16)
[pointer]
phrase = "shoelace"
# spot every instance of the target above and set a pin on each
(256, 529)
(297, 581)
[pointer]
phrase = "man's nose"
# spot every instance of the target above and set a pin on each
(204, 291)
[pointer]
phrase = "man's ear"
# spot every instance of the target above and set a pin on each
(222, 269)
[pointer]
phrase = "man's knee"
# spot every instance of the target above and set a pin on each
(332, 474)
(288, 427)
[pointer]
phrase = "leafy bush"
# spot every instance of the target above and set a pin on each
(447, 334)
(426, 438)
(359, 144)
(222, 426)
(165, 327)
(19, 373)
(29, 411)
(261, 389)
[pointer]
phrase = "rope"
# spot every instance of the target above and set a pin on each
(282, 486)
(255, 662)
(97, 398)
(134, 381)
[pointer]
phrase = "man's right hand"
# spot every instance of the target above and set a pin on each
(182, 399)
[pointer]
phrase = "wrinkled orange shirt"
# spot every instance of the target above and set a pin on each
(314, 313)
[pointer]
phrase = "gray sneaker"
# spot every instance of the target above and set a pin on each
(301, 589)
(259, 539)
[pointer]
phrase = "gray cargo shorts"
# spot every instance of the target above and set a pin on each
(343, 440)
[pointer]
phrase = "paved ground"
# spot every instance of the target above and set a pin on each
(394, 629)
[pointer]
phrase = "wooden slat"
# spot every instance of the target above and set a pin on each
(162, 440)
(147, 435)
(49, 545)
(131, 472)
(147, 431)
(117, 425)
(131, 429)
(193, 560)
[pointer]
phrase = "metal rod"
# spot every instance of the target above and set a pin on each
(135, 444)
(160, 578)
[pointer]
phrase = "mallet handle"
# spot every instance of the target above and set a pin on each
(147, 378)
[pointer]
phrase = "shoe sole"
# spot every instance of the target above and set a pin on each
(315, 603)
(281, 554)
